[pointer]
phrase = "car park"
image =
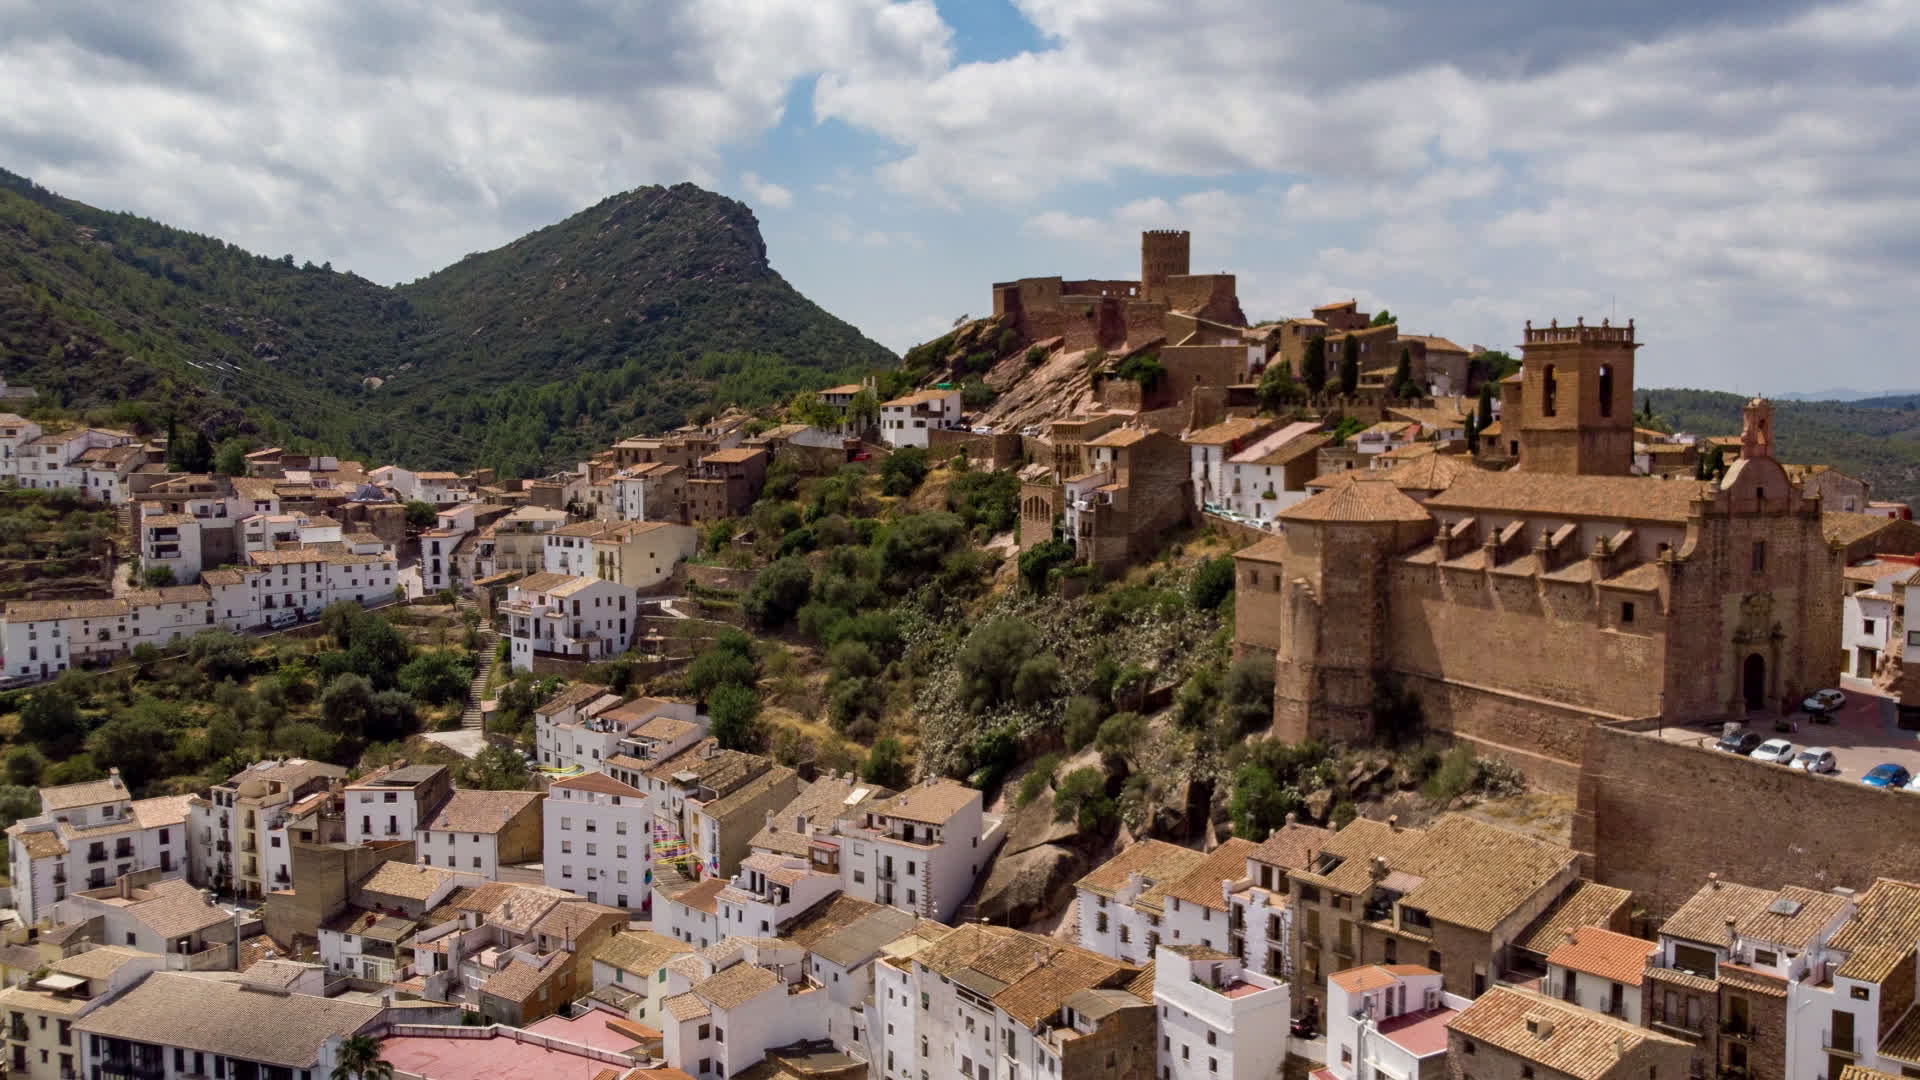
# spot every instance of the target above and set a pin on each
(1823, 702)
(1775, 751)
(1739, 741)
(1888, 775)
(1815, 759)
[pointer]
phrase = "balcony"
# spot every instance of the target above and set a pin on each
(1740, 1029)
(17, 1030)
(97, 853)
(1343, 948)
(1677, 1023)
(1844, 1042)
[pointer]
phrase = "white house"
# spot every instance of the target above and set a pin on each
(570, 618)
(478, 832)
(770, 891)
(595, 841)
(1216, 1019)
(1875, 588)
(172, 542)
(1121, 899)
(688, 912)
(88, 836)
(587, 733)
(1208, 450)
(1599, 969)
(242, 832)
(1267, 476)
(1387, 1022)
(636, 961)
(15, 433)
(390, 804)
(727, 1021)
(921, 850)
(905, 421)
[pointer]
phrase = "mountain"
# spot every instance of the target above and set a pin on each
(1854, 396)
(1878, 443)
(625, 317)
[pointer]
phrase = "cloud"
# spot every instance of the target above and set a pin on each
(765, 192)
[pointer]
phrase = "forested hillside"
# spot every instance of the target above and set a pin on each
(624, 317)
(1877, 440)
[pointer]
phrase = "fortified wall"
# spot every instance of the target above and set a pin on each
(1656, 816)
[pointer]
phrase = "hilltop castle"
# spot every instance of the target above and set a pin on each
(1112, 314)
(1522, 606)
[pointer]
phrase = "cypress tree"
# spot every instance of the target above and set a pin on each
(1313, 368)
(1349, 366)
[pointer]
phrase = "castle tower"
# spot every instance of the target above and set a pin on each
(1576, 399)
(1163, 254)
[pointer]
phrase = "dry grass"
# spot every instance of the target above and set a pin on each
(1536, 813)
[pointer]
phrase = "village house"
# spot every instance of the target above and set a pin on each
(727, 1020)
(1217, 1019)
(1457, 897)
(635, 962)
(1387, 1022)
(1122, 900)
(921, 850)
(586, 727)
(242, 831)
(709, 802)
(166, 916)
(1211, 446)
(40, 1012)
(725, 484)
(1271, 474)
(597, 841)
(562, 617)
(479, 832)
(980, 1000)
(845, 938)
(905, 421)
(390, 803)
(1599, 969)
(1510, 1033)
(173, 1025)
(88, 836)
(655, 491)
(641, 555)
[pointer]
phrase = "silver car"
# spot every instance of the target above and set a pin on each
(1777, 751)
(1815, 759)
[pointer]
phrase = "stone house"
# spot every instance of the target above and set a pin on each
(1516, 1034)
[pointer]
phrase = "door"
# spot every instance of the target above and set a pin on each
(1573, 987)
(1755, 681)
(1617, 1003)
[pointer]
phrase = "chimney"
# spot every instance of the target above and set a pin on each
(1393, 822)
(1292, 819)
(1571, 937)
(126, 887)
(113, 777)
(1713, 880)
(1377, 867)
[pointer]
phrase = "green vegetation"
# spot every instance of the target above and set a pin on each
(1349, 366)
(1143, 368)
(1878, 444)
(627, 316)
(1313, 366)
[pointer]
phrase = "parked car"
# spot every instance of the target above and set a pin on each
(1816, 759)
(1776, 751)
(284, 618)
(1739, 741)
(1888, 775)
(1821, 702)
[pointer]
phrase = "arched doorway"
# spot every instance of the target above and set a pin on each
(1754, 680)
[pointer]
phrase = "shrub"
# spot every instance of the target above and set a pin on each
(157, 577)
(1082, 722)
(991, 659)
(886, 764)
(1120, 737)
(1037, 779)
(779, 592)
(1260, 802)
(902, 472)
(1212, 584)
(718, 666)
(1038, 680)
(1249, 693)
(1457, 774)
(735, 710)
(976, 394)
(1039, 560)
(435, 677)
(1082, 798)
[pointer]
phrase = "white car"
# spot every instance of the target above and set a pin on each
(1777, 751)
(1815, 759)
(1824, 701)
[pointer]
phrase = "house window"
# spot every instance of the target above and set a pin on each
(1858, 993)
(1626, 613)
(1759, 556)
(1866, 627)
(1550, 392)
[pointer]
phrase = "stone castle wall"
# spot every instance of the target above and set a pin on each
(1655, 817)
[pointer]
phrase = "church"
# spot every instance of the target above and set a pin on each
(1521, 606)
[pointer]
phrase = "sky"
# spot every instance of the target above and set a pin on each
(1739, 176)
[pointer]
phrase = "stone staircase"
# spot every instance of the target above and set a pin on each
(471, 718)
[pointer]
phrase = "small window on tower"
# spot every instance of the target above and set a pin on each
(1626, 613)
(1606, 389)
(1549, 392)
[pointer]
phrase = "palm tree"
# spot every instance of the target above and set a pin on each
(360, 1060)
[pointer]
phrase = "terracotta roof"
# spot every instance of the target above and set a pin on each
(524, 905)
(1703, 918)
(1586, 904)
(406, 880)
(286, 556)
(1369, 498)
(173, 908)
(1291, 846)
(569, 920)
(737, 454)
(597, 782)
(229, 1019)
(1431, 472)
(824, 801)
(917, 397)
(1359, 980)
(85, 793)
(1616, 498)
(642, 952)
(1575, 1042)
(1595, 951)
(542, 583)
(577, 694)
(1039, 993)
(1282, 451)
(1271, 550)
(41, 843)
(933, 803)
(701, 897)
(1201, 884)
(97, 963)
(1903, 1042)
(1462, 871)
(520, 979)
(1882, 932)
(471, 810)
(1862, 1072)
(1848, 529)
(736, 986)
(687, 1006)
(1157, 860)
(1227, 431)
(1120, 436)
